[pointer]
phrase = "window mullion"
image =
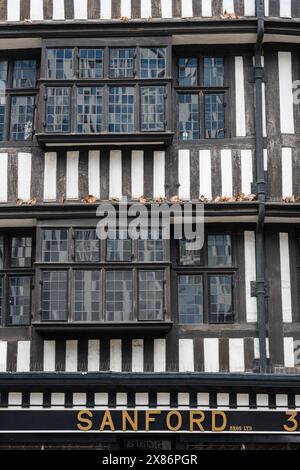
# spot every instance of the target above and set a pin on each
(135, 296)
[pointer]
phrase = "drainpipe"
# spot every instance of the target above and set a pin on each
(261, 189)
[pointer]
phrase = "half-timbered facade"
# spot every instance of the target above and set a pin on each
(167, 101)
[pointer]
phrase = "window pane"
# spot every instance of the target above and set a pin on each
(188, 121)
(89, 109)
(118, 296)
(86, 302)
(91, 63)
(151, 249)
(54, 296)
(186, 256)
(121, 109)
(58, 109)
(151, 295)
(121, 63)
(118, 246)
(21, 121)
(55, 246)
(153, 108)
(21, 252)
(187, 71)
(3, 81)
(60, 64)
(19, 300)
(24, 75)
(213, 71)
(153, 62)
(214, 116)
(1, 252)
(87, 246)
(190, 299)
(220, 299)
(219, 250)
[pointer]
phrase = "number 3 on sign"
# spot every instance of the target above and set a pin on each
(293, 423)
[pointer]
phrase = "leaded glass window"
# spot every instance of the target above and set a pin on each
(190, 298)
(151, 295)
(54, 295)
(87, 246)
(60, 64)
(219, 250)
(91, 63)
(213, 71)
(119, 296)
(153, 62)
(86, 293)
(151, 249)
(153, 108)
(187, 71)
(58, 109)
(121, 63)
(121, 109)
(19, 300)
(21, 252)
(55, 246)
(220, 299)
(214, 116)
(3, 83)
(118, 246)
(189, 117)
(21, 123)
(187, 255)
(89, 109)
(24, 74)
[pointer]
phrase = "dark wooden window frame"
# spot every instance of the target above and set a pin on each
(137, 82)
(204, 270)
(103, 266)
(10, 58)
(8, 272)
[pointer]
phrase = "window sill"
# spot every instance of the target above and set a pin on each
(122, 328)
(140, 138)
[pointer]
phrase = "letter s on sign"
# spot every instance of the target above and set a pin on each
(292, 419)
(82, 419)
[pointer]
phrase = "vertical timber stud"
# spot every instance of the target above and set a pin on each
(261, 190)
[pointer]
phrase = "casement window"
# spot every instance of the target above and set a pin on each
(201, 98)
(18, 80)
(104, 90)
(16, 278)
(205, 281)
(113, 280)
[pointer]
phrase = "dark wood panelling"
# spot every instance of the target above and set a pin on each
(83, 174)
(240, 292)
(171, 178)
(295, 77)
(37, 175)
(236, 171)
(60, 355)
(116, 9)
(148, 354)
(156, 8)
(61, 175)
(296, 171)
(12, 178)
(249, 354)
(148, 173)
(197, 11)
(135, 8)
(216, 172)
(104, 174)
(274, 307)
(176, 8)
(126, 355)
(274, 8)
(37, 353)
(69, 9)
(198, 354)
(93, 9)
(126, 173)
(25, 10)
(48, 9)
(249, 94)
(104, 354)
(217, 7)
(224, 354)
(194, 162)
(3, 10)
(12, 349)
(295, 9)
(82, 355)
(172, 357)
(239, 7)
